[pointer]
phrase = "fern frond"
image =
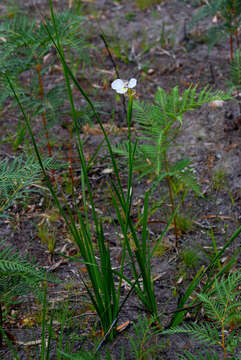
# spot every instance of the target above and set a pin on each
(235, 71)
(213, 309)
(207, 356)
(16, 176)
(18, 275)
(203, 333)
(187, 177)
(158, 125)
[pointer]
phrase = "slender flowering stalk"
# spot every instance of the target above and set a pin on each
(141, 252)
(44, 117)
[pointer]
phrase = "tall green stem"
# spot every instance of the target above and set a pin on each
(171, 196)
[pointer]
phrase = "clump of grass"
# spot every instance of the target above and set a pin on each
(189, 258)
(184, 223)
(219, 179)
(144, 4)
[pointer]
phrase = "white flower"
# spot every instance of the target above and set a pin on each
(122, 86)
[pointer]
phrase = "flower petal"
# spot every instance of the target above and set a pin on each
(132, 83)
(123, 90)
(117, 84)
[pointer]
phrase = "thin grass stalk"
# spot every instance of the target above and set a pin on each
(50, 334)
(126, 203)
(117, 273)
(1, 325)
(83, 93)
(124, 230)
(43, 321)
(9, 344)
(215, 247)
(211, 266)
(231, 46)
(61, 336)
(102, 277)
(74, 116)
(67, 72)
(179, 315)
(87, 251)
(236, 24)
(44, 119)
(143, 255)
(100, 282)
(102, 36)
(140, 253)
(70, 223)
(110, 296)
(119, 310)
(43, 114)
(70, 161)
(171, 197)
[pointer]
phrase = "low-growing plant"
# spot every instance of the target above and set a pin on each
(17, 176)
(184, 223)
(18, 275)
(47, 237)
(158, 125)
(221, 307)
(209, 274)
(228, 18)
(144, 4)
(190, 258)
(219, 179)
(143, 343)
(25, 46)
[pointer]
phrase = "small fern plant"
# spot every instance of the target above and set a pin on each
(25, 48)
(228, 14)
(158, 126)
(142, 344)
(16, 178)
(221, 307)
(18, 276)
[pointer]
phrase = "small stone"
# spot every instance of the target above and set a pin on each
(216, 104)
(150, 71)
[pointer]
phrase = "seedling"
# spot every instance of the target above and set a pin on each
(221, 307)
(219, 179)
(47, 237)
(190, 258)
(144, 4)
(142, 344)
(227, 14)
(159, 124)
